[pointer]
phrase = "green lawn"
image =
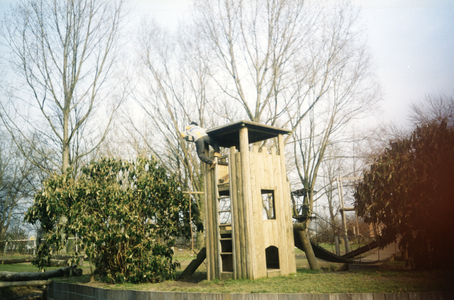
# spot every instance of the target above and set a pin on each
(304, 281)
(327, 280)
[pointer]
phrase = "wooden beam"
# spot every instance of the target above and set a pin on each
(193, 265)
(347, 178)
(347, 209)
(15, 260)
(27, 276)
(25, 283)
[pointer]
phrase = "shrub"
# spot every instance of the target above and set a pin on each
(127, 216)
(409, 189)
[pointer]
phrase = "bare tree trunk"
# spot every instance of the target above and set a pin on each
(25, 283)
(194, 264)
(299, 229)
(25, 276)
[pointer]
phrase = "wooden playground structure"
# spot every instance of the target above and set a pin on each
(249, 231)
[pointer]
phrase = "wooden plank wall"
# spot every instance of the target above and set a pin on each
(211, 221)
(268, 173)
(67, 291)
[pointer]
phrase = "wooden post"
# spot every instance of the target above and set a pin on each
(336, 240)
(208, 224)
(284, 188)
(344, 221)
(237, 271)
(193, 265)
(247, 202)
(241, 216)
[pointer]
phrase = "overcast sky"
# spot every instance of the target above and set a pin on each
(411, 41)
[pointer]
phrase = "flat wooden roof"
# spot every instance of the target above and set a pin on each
(229, 135)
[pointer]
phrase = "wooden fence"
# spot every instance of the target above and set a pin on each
(67, 291)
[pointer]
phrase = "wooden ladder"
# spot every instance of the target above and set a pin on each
(224, 228)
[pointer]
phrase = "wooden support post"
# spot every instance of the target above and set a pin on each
(193, 265)
(208, 224)
(237, 270)
(247, 202)
(344, 221)
(336, 240)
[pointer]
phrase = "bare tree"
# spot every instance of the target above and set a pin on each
(432, 107)
(17, 185)
(62, 54)
(281, 63)
(291, 64)
(173, 93)
(333, 167)
(255, 46)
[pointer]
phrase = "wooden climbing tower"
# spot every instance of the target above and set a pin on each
(248, 225)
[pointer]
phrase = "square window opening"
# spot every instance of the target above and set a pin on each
(269, 211)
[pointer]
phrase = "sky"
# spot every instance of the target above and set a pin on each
(411, 43)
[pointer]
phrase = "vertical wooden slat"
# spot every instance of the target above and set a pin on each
(247, 200)
(208, 222)
(234, 210)
(262, 231)
(285, 188)
(216, 222)
(241, 216)
(280, 204)
(213, 241)
(254, 237)
(211, 224)
(283, 261)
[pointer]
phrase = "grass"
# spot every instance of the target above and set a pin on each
(304, 281)
(327, 280)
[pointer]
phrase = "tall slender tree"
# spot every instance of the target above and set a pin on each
(61, 54)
